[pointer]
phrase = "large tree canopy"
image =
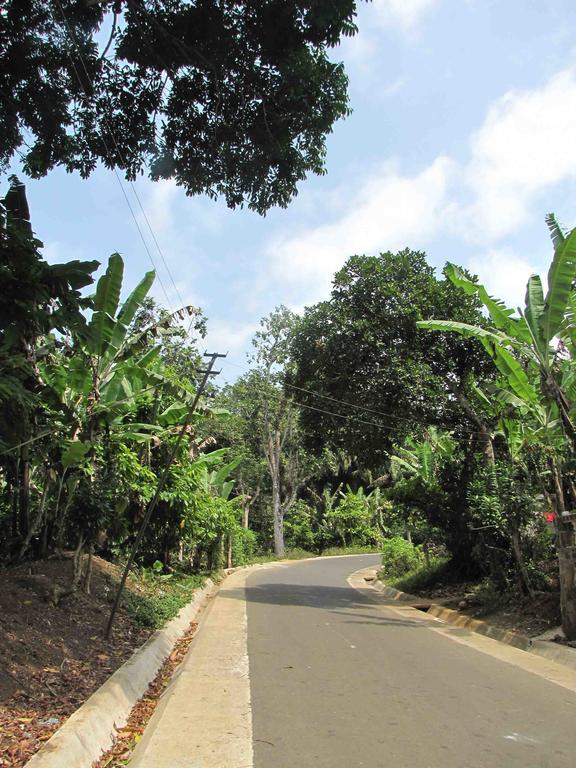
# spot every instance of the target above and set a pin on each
(363, 347)
(228, 98)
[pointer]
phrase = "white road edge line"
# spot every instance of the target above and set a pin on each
(537, 665)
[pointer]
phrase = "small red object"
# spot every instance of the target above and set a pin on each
(550, 517)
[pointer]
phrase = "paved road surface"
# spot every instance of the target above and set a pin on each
(294, 668)
(338, 681)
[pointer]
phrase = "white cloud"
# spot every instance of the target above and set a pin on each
(525, 146)
(504, 274)
(361, 51)
(402, 13)
(226, 336)
(158, 202)
(390, 211)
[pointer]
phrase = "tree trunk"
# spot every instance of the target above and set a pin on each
(426, 551)
(488, 445)
(274, 451)
(214, 555)
(229, 552)
(566, 563)
(278, 517)
(44, 536)
(521, 571)
(24, 491)
(87, 576)
(60, 514)
(12, 482)
(78, 563)
(567, 575)
(197, 559)
(39, 520)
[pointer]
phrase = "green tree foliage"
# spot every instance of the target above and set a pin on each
(534, 356)
(227, 98)
(276, 420)
(400, 557)
(363, 347)
(350, 521)
(102, 400)
(300, 529)
(36, 299)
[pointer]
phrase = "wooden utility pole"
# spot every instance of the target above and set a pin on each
(161, 482)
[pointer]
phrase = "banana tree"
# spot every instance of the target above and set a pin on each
(529, 352)
(421, 458)
(526, 349)
(103, 381)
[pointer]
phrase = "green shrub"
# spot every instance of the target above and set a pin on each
(354, 549)
(154, 600)
(400, 557)
(423, 578)
(349, 523)
(487, 596)
(298, 530)
(297, 553)
(244, 546)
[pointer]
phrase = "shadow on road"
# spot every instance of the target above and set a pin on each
(344, 601)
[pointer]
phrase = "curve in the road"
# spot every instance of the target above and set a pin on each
(339, 681)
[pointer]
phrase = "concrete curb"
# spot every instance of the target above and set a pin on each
(90, 730)
(552, 651)
(395, 594)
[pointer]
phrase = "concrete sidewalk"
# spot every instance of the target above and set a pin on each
(204, 719)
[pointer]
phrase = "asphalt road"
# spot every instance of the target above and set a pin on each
(338, 681)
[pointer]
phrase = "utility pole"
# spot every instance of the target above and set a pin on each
(206, 373)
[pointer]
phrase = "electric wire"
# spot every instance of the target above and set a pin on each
(131, 183)
(278, 396)
(376, 424)
(350, 405)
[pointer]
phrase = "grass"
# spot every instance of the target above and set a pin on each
(353, 550)
(291, 554)
(152, 600)
(420, 579)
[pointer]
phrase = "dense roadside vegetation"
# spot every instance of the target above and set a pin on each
(409, 413)
(396, 414)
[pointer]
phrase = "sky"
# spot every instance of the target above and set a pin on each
(462, 138)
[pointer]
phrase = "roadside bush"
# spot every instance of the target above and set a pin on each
(349, 523)
(155, 599)
(425, 577)
(298, 531)
(244, 546)
(487, 596)
(354, 549)
(399, 557)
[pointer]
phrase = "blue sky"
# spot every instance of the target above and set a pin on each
(463, 136)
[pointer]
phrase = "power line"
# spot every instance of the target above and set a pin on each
(209, 371)
(377, 424)
(132, 185)
(155, 53)
(354, 419)
(350, 405)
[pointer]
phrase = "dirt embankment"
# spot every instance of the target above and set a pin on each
(528, 616)
(53, 657)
